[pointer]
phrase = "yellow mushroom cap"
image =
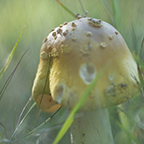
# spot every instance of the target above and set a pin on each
(40, 91)
(80, 50)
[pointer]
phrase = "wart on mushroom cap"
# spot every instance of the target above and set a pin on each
(74, 65)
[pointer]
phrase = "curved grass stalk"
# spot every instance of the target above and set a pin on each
(11, 76)
(23, 111)
(126, 131)
(68, 10)
(29, 133)
(2, 71)
(17, 128)
(116, 13)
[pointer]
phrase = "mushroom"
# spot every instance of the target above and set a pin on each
(79, 50)
(41, 92)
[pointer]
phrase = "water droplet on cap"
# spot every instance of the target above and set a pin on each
(58, 92)
(87, 72)
(111, 77)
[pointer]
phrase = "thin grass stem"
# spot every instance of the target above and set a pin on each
(11, 76)
(17, 128)
(29, 133)
(64, 7)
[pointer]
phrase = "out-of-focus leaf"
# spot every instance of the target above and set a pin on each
(10, 77)
(10, 55)
(127, 132)
(29, 133)
(116, 14)
(64, 7)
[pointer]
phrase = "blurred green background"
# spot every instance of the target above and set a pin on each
(39, 17)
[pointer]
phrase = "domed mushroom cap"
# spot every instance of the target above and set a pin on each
(80, 50)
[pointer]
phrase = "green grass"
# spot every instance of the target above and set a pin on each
(2, 71)
(40, 17)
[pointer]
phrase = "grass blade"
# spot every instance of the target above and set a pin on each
(116, 13)
(108, 10)
(10, 55)
(64, 7)
(134, 40)
(11, 76)
(127, 132)
(141, 56)
(22, 121)
(38, 126)
(23, 111)
(82, 6)
(3, 128)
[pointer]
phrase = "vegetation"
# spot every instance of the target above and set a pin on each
(19, 117)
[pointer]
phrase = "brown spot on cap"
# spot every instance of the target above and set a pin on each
(52, 30)
(111, 90)
(60, 25)
(73, 24)
(73, 29)
(95, 22)
(59, 31)
(55, 37)
(111, 37)
(78, 16)
(65, 33)
(45, 40)
(116, 32)
(65, 23)
(54, 34)
(122, 87)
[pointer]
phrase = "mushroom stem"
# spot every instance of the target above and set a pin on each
(92, 127)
